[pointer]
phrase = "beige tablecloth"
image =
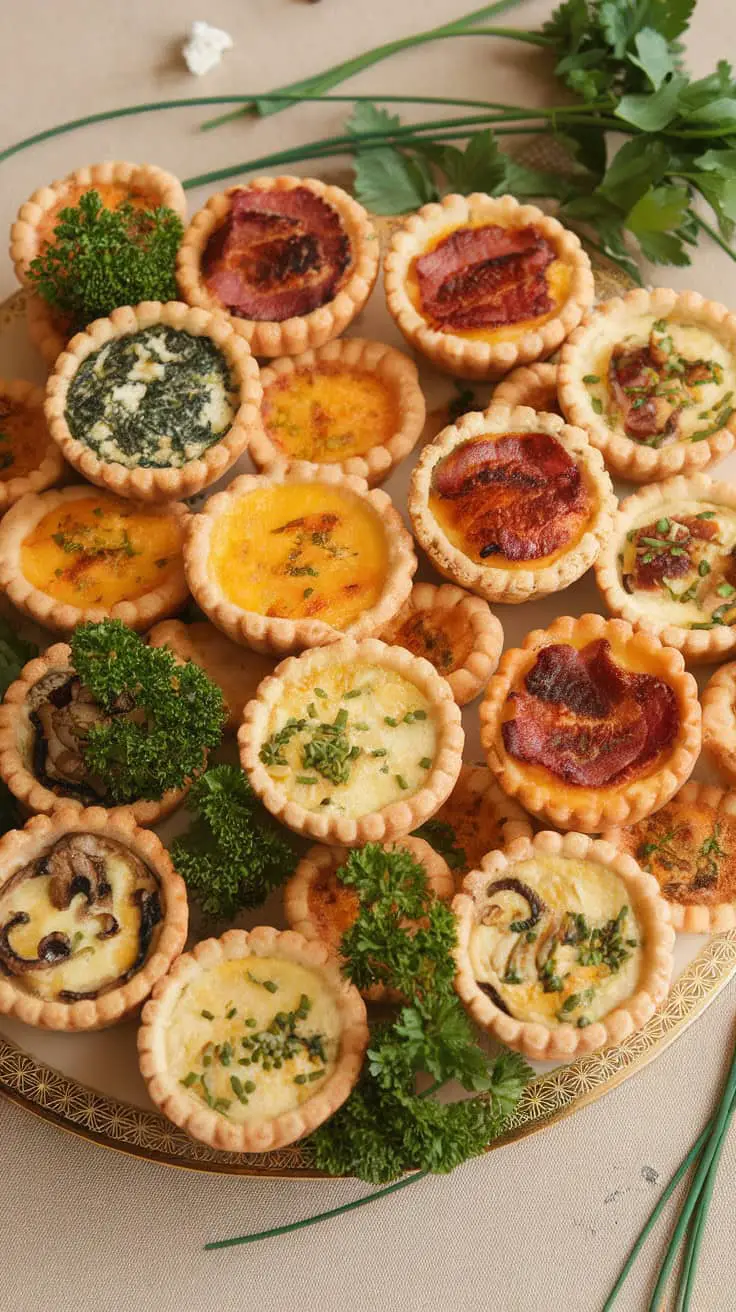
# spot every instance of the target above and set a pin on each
(539, 1227)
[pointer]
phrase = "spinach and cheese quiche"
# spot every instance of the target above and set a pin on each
(591, 722)
(651, 377)
(353, 403)
(298, 557)
(92, 914)
(454, 631)
(155, 402)
(511, 503)
(29, 460)
(479, 284)
(83, 554)
(669, 566)
(252, 1040)
(564, 944)
(534, 385)
(352, 743)
(290, 260)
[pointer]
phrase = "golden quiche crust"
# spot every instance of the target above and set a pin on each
(481, 818)
(48, 330)
(534, 385)
(719, 721)
(455, 631)
(21, 406)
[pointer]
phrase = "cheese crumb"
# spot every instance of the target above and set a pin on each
(204, 47)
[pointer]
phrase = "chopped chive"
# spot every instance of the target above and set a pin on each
(703, 568)
(189, 1079)
(312, 711)
(389, 719)
(379, 751)
(354, 692)
(208, 1015)
(725, 590)
(320, 692)
(597, 405)
(401, 781)
(300, 1079)
(306, 779)
(591, 378)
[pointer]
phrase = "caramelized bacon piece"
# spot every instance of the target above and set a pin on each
(587, 720)
(277, 254)
(486, 277)
(634, 377)
(648, 573)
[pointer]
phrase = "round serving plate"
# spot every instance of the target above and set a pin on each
(89, 1084)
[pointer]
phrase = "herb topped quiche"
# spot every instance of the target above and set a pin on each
(669, 565)
(156, 402)
(511, 503)
(299, 557)
(291, 260)
(352, 743)
(252, 1040)
(29, 460)
(480, 284)
(564, 945)
(591, 722)
(651, 377)
(353, 404)
(82, 554)
(92, 914)
(454, 631)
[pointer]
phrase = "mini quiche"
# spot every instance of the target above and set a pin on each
(92, 914)
(564, 945)
(297, 558)
(690, 848)
(236, 670)
(480, 284)
(45, 721)
(651, 377)
(534, 385)
(81, 554)
(49, 330)
(719, 721)
(29, 460)
(510, 503)
(590, 722)
(352, 743)
(253, 1040)
(156, 402)
(454, 631)
(476, 818)
(669, 565)
(353, 404)
(292, 260)
(116, 181)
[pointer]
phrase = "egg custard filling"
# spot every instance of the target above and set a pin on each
(680, 567)
(253, 1038)
(443, 637)
(329, 412)
(24, 438)
(690, 847)
(111, 194)
(78, 921)
(557, 943)
(101, 550)
(350, 737)
(301, 551)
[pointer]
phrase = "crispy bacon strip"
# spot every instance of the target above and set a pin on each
(486, 277)
(654, 564)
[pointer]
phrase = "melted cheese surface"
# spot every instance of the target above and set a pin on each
(329, 413)
(703, 592)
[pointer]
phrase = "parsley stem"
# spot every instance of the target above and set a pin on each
(716, 236)
(319, 1216)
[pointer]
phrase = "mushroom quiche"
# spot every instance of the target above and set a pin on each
(29, 460)
(253, 1040)
(82, 554)
(292, 260)
(236, 670)
(719, 721)
(298, 558)
(564, 945)
(511, 503)
(534, 385)
(479, 284)
(590, 722)
(476, 818)
(352, 743)
(155, 402)
(454, 631)
(669, 565)
(92, 914)
(651, 376)
(690, 848)
(353, 404)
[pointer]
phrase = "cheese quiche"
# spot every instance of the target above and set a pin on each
(479, 284)
(476, 818)
(299, 557)
(92, 914)
(534, 385)
(591, 722)
(564, 945)
(455, 631)
(29, 460)
(236, 670)
(252, 1040)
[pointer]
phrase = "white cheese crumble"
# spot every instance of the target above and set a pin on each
(205, 47)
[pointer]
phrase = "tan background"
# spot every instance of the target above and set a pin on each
(539, 1227)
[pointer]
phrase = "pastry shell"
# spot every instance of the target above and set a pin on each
(481, 817)
(468, 356)
(624, 455)
(696, 645)
(719, 721)
(48, 330)
(163, 187)
(167, 483)
(212, 1127)
(537, 1040)
(59, 615)
(50, 468)
(399, 817)
(693, 917)
(395, 370)
(300, 333)
(534, 385)
(20, 846)
(572, 806)
(512, 585)
(266, 633)
(471, 674)
(236, 670)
